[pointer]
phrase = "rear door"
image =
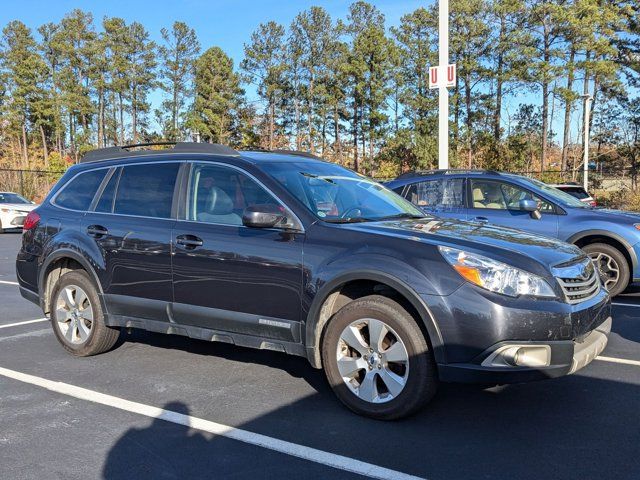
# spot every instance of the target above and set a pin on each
(497, 202)
(443, 197)
(130, 225)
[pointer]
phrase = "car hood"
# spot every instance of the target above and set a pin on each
(535, 253)
(618, 216)
(24, 207)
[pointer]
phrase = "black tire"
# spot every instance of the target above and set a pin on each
(101, 337)
(422, 378)
(625, 272)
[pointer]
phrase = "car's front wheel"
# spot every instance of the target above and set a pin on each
(77, 317)
(377, 359)
(612, 266)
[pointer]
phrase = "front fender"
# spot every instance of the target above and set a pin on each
(316, 321)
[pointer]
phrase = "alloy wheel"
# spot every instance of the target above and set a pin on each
(608, 268)
(74, 314)
(372, 360)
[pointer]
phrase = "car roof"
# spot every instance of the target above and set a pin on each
(138, 152)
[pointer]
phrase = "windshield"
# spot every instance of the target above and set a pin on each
(12, 198)
(557, 195)
(339, 195)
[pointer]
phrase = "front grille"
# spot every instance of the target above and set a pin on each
(579, 281)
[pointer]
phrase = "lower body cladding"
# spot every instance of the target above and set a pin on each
(489, 338)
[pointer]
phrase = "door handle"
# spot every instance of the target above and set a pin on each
(481, 219)
(189, 241)
(97, 231)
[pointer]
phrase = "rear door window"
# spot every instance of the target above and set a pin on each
(446, 193)
(146, 190)
(79, 192)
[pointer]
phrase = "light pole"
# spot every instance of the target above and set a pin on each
(585, 148)
(443, 96)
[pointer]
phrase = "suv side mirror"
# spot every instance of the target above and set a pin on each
(530, 206)
(263, 216)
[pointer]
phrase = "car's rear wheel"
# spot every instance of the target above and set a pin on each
(377, 359)
(612, 266)
(77, 317)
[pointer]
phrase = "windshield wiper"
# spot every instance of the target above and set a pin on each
(348, 220)
(401, 215)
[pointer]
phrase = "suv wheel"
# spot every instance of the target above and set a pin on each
(377, 360)
(612, 265)
(76, 316)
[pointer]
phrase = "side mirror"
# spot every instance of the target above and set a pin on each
(531, 206)
(263, 216)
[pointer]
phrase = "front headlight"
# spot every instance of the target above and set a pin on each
(496, 276)
(8, 210)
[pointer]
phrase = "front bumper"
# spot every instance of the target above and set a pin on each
(567, 357)
(476, 325)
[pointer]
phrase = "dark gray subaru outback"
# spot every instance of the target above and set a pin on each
(283, 251)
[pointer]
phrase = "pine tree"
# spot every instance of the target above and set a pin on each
(178, 55)
(77, 49)
(215, 114)
(24, 72)
(312, 31)
(415, 37)
(264, 65)
(142, 76)
(469, 46)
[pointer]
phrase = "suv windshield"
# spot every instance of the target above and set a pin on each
(339, 195)
(554, 194)
(12, 198)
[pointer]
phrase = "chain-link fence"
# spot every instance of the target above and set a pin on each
(31, 184)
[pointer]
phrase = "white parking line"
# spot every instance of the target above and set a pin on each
(26, 322)
(300, 451)
(619, 360)
(6, 282)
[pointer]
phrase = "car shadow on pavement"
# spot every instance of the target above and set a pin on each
(297, 367)
(580, 426)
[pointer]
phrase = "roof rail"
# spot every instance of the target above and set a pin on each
(300, 153)
(178, 147)
(284, 151)
(417, 173)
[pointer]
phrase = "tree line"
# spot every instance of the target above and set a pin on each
(350, 89)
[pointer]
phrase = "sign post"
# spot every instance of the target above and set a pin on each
(442, 77)
(443, 96)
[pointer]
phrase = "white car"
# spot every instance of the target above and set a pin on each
(13, 210)
(575, 190)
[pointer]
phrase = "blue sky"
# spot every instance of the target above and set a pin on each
(227, 24)
(224, 23)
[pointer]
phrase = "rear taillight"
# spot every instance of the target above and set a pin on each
(31, 221)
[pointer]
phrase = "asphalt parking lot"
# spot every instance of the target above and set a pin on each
(239, 413)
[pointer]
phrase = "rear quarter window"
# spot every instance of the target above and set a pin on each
(79, 192)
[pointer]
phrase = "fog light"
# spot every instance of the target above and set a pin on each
(519, 356)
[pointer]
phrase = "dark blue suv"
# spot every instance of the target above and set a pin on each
(610, 237)
(282, 251)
